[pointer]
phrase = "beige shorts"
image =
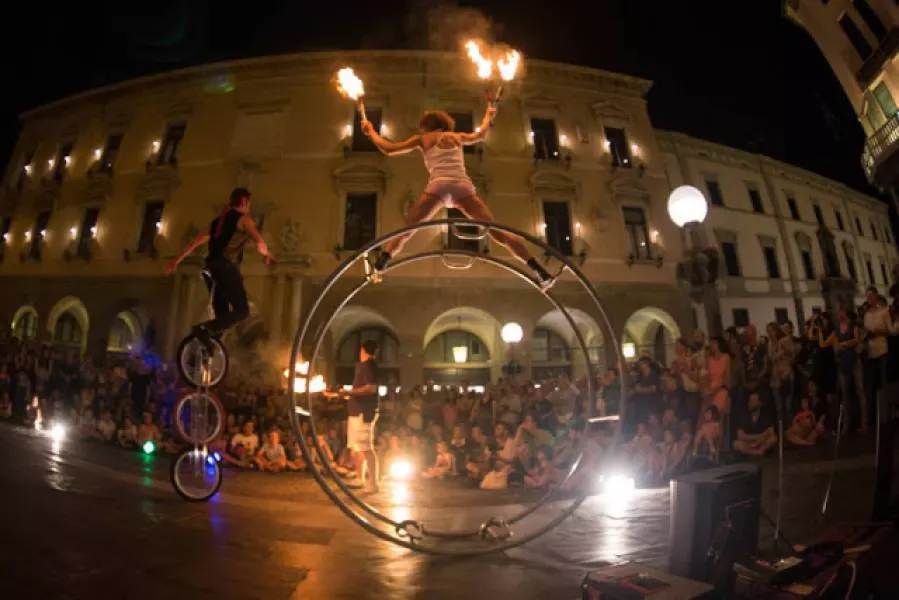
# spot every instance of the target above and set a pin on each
(359, 434)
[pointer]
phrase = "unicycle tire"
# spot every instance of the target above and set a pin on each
(184, 402)
(197, 460)
(218, 363)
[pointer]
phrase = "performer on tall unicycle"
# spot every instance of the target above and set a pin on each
(448, 184)
(227, 235)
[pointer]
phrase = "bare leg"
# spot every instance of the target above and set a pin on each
(423, 210)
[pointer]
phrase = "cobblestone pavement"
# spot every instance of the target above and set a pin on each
(82, 521)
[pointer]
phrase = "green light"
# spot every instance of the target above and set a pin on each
(149, 447)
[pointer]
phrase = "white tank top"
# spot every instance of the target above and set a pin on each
(445, 164)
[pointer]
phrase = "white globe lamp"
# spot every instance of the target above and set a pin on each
(686, 204)
(512, 333)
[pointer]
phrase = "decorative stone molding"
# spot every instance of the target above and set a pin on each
(98, 190)
(47, 196)
(553, 184)
(610, 109)
(626, 186)
(291, 240)
(180, 110)
(361, 177)
(158, 184)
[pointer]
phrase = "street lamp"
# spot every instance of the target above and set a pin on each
(699, 268)
(460, 353)
(511, 333)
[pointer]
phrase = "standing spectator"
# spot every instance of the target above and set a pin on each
(718, 382)
(845, 340)
(609, 402)
(878, 325)
(564, 398)
(825, 368)
(755, 362)
(644, 397)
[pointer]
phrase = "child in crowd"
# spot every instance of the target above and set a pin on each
(271, 457)
(444, 463)
(806, 428)
(106, 428)
(544, 474)
(127, 436)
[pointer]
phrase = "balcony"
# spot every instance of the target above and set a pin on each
(879, 146)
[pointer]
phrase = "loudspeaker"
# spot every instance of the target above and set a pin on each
(714, 518)
(636, 582)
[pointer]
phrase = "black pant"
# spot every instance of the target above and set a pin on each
(229, 300)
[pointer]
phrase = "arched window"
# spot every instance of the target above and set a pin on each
(67, 330)
(121, 338)
(549, 347)
(441, 348)
(25, 325)
(348, 354)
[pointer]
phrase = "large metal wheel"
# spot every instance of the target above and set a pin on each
(199, 417)
(495, 534)
(196, 474)
(197, 367)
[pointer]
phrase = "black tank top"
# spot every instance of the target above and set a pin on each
(229, 242)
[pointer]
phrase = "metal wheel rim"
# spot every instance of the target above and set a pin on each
(206, 466)
(217, 362)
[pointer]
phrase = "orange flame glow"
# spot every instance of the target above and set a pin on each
(485, 66)
(349, 85)
(508, 65)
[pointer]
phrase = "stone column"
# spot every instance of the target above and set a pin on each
(295, 308)
(187, 309)
(411, 362)
(171, 321)
(276, 324)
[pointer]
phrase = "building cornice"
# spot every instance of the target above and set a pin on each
(320, 65)
(691, 147)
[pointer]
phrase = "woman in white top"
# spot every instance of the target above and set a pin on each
(448, 184)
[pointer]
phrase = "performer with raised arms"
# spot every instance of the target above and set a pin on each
(448, 185)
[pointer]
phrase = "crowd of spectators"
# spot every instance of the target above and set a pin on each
(717, 399)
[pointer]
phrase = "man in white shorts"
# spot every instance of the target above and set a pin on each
(362, 413)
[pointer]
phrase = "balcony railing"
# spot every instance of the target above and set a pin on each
(879, 143)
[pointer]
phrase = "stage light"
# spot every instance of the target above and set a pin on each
(217, 457)
(58, 432)
(401, 470)
(617, 485)
(210, 460)
(382, 390)
(149, 447)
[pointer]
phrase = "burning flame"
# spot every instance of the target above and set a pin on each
(348, 84)
(508, 65)
(316, 384)
(485, 66)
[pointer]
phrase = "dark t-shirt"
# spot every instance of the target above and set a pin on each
(750, 427)
(367, 405)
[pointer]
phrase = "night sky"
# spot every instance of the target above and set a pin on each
(738, 73)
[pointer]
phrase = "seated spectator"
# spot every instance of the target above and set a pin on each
(168, 441)
(127, 436)
(148, 431)
(708, 434)
(544, 473)
(245, 444)
(669, 419)
(806, 427)
(478, 462)
(530, 437)
(334, 441)
(87, 424)
(444, 463)
(106, 428)
(5, 406)
(567, 448)
(756, 435)
(673, 451)
(294, 455)
(654, 427)
(271, 457)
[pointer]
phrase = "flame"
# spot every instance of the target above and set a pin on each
(508, 65)
(348, 84)
(316, 385)
(485, 66)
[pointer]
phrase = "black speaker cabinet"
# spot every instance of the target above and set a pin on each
(701, 545)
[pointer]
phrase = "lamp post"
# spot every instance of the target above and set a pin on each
(699, 268)
(511, 333)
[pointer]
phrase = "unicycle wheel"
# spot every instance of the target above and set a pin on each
(197, 367)
(196, 474)
(198, 416)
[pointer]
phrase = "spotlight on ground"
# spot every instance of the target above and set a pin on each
(617, 485)
(400, 470)
(149, 447)
(58, 432)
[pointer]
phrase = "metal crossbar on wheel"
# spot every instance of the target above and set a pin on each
(495, 534)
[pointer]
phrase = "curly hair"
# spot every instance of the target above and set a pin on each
(436, 120)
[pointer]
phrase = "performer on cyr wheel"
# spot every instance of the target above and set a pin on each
(227, 235)
(362, 414)
(448, 185)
